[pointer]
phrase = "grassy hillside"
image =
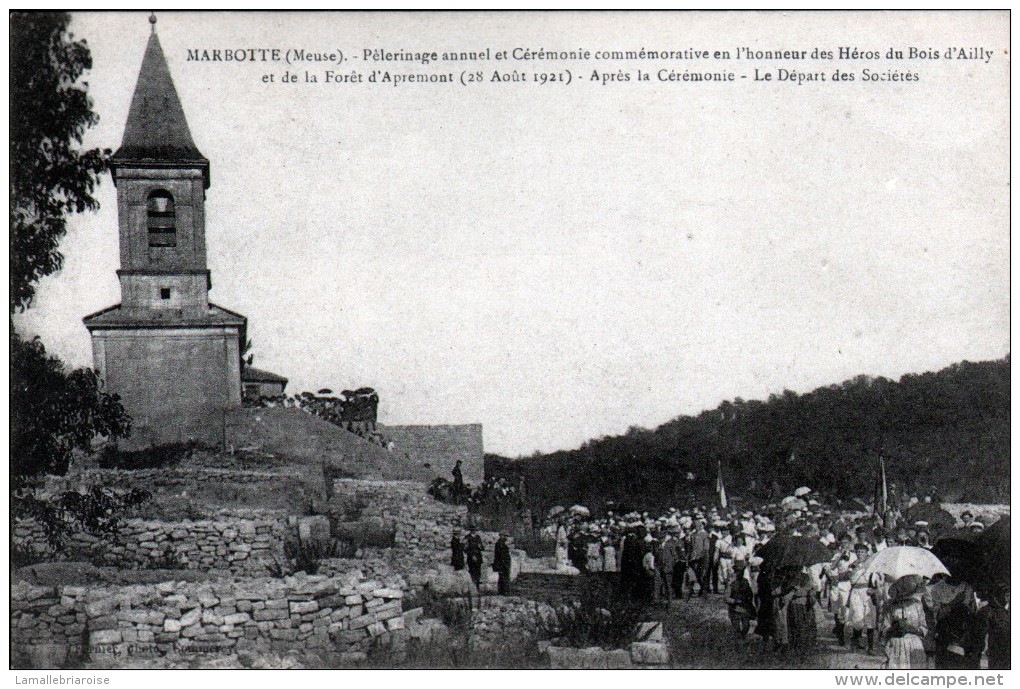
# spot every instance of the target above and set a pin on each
(307, 440)
(945, 433)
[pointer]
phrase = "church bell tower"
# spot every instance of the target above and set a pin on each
(172, 355)
(161, 179)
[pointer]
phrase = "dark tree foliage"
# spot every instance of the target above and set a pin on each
(944, 433)
(55, 413)
(50, 176)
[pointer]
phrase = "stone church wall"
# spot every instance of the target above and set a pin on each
(176, 383)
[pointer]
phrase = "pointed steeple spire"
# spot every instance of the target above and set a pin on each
(157, 131)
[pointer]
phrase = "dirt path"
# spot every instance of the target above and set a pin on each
(701, 637)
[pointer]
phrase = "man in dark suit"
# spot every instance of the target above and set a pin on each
(474, 558)
(457, 551)
(630, 565)
(698, 549)
(666, 559)
(502, 563)
(682, 566)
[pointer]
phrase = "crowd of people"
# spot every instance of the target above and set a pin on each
(492, 492)
(936, 621)
(352, 410)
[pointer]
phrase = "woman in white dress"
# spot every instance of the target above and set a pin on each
(593, 551)
(907, 625)
(861, 611)
(562, 544)
(837, 574)
(609, 555)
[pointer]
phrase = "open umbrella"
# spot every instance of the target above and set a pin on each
(899, 561)
(957, 544)
(558, 509)
(961, 555)
(938, 519)
(961, 535)
(793, 551)
(580, 511)
(995, 551)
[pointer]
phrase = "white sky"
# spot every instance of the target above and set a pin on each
(562, 262)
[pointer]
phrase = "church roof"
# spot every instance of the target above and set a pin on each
(117, 317)
(251, 374)
(157, 131)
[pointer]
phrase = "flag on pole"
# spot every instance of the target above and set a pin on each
(881, 491)
(720, 488)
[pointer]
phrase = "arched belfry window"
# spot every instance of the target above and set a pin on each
(162, 219)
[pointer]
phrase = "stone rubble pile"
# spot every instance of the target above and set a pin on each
(650, 651)
(506, 620)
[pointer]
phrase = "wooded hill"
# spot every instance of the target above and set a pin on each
(943, 433)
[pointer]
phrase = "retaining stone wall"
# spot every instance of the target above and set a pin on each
(423, 525)
(423, 528)
(248, 547)
(650, 651)
(343, 614)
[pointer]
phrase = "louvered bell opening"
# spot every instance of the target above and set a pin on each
(162, 219)
(162, 237)
(161, 222)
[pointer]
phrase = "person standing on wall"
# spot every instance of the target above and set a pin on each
(458, 483)
(502, 563)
